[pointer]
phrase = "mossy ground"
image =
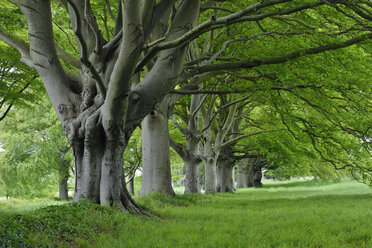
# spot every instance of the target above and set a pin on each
(292, 214)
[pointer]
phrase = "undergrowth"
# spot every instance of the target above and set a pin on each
(54, 226)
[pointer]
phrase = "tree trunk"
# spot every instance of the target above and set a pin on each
(156, 169)
(255, 173)
(192, 180)
(98, 108)
(131, 186)
(226, 161)
(242, 181)
(63, 190)
(210, 176)
(225, 181)
(63, 178)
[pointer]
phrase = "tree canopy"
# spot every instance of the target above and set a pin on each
(301, 66)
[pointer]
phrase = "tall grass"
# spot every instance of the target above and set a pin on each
(292, 214)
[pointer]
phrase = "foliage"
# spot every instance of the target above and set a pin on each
(34, 146)
(54, 226)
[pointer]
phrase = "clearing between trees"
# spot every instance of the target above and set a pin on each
(281, 214)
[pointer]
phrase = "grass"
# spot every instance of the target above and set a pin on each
(19, 206)
(292, 214)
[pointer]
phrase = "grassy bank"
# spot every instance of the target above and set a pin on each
(292, 214)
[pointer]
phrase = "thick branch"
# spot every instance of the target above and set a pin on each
(20, 46)
(177, 147)
(84, 49)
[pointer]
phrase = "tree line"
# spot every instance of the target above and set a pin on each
(278, 84)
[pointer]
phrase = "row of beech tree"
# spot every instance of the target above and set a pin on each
(283, 81)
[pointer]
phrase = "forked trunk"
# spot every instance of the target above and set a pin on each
(99, 175)
(156, 172)
(98, 108)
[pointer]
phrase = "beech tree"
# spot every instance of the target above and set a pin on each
(36, 159)
(97, 96)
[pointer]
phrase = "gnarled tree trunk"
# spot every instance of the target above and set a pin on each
(255, 173)
(99, 109)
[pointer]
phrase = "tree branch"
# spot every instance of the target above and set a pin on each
(232, 141)
(177, 148)
(278, 60)
(110, 11)
(214, 23)
(84, 49)
(175, 122)
(20, 46)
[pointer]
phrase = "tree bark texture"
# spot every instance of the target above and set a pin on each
(64, 174)
(190, 154)
(242, 176)
(99, 109)
(250, 172)
(131, 186)
(63, 189)
(156, 171)
(225, 171)
(211, 153)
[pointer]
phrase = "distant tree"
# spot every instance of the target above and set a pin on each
(36, 158)
(99, 107)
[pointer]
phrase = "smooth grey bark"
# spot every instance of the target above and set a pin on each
(212, 152)
(64, 174)
(192, 179)
(242, 175)
(193, 159)
(225, 171)
(63, 189)
(131, 186)
(255, 173)
(250, 172)
(99, 109)
(156, 171)
(190, 154)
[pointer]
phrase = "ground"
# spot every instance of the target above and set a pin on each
(281, 214)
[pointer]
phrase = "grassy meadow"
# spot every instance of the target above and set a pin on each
(281, 214)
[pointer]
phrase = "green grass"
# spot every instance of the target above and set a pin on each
(292, 214)
(14, 205)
